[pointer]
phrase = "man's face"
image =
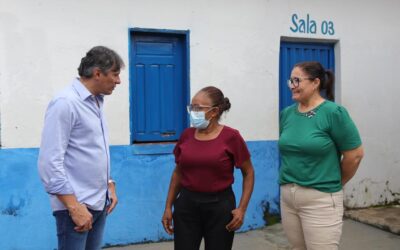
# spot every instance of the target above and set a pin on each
(106, 82)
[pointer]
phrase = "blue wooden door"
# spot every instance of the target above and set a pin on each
(292, 53)
(158, 90)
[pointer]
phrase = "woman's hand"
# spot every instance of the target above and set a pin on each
(237, 220)
(173, 190)
(350, 162)
(248, 184)
(167, 221)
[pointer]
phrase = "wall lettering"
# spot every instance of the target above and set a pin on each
(309, 26)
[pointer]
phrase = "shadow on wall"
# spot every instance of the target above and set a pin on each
(14, 206)
(271, 216)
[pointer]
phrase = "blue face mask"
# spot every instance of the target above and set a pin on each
(198, 119)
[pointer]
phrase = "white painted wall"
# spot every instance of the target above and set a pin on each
(370, 57)
(233, 45)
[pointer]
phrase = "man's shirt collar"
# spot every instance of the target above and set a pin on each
(82, 91)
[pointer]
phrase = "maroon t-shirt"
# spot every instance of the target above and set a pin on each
(207, 166)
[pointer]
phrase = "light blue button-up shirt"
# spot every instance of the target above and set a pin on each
(74, 155)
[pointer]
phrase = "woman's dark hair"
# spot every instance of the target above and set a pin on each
(315, 70)
(217, 98)
(102, 58)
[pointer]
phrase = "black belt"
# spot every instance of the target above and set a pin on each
(206, 197)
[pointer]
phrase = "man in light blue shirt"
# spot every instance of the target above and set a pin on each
(74, 157)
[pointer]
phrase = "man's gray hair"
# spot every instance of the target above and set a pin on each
(102, 58)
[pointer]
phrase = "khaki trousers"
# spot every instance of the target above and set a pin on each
(311, 219)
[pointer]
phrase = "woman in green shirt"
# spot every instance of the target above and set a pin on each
(320, 151)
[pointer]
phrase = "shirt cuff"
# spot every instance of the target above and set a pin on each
(59, 186)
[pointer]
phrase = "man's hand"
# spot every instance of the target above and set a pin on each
(237, 220)
(79, 213)
(113, 197)
(82, 218)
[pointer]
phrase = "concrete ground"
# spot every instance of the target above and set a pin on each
(386, 218)
(355, 236)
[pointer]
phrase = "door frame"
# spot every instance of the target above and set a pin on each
(309, 43)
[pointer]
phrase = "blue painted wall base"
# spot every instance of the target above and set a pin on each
(142, 176)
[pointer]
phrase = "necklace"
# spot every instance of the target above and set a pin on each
(310, 113)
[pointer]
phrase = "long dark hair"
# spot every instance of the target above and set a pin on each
(315, 70)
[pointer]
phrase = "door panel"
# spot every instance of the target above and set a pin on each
(292, 53)
(159, 90)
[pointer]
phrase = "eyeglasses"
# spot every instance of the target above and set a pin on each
(196, 108)
(295, 81)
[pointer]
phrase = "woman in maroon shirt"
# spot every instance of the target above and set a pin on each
(200, 188)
